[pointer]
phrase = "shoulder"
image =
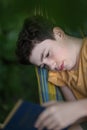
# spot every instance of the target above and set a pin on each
(84, 48)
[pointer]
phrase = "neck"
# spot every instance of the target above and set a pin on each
(73, 40)
(75, 45)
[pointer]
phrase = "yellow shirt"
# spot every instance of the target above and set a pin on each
(76, 80)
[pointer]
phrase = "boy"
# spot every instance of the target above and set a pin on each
(42, 44)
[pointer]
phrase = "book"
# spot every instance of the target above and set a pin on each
(23, 116)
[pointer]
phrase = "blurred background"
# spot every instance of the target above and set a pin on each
(19, 81)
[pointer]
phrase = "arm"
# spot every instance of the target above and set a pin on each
(62, 114)
(67, 93)
(69, 96)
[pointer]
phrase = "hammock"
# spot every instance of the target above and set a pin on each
(47, 91)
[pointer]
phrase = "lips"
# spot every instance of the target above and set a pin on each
(61, 66)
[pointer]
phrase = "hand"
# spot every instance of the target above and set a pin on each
(58, 115)
(50, 103)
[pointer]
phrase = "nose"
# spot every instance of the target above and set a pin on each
(50, 64)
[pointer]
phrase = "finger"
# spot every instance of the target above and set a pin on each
(52, 126)
(47, 113)
(49, 103)
(57, 127)
(43, 116)
(46, 123)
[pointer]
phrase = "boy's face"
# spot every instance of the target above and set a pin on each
(52, 54)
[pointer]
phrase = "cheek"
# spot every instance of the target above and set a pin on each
(60, 56)
(54, 57)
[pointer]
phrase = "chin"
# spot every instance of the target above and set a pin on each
(74, 67)
(68, 68)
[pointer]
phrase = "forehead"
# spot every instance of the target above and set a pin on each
(35, 57)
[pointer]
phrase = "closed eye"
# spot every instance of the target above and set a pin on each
(47, 55)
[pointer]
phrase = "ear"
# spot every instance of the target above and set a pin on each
(58, 33)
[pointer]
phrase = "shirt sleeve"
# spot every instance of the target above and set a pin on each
(57, 78)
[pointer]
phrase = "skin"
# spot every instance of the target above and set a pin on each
(57, 55)
(60, 115)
